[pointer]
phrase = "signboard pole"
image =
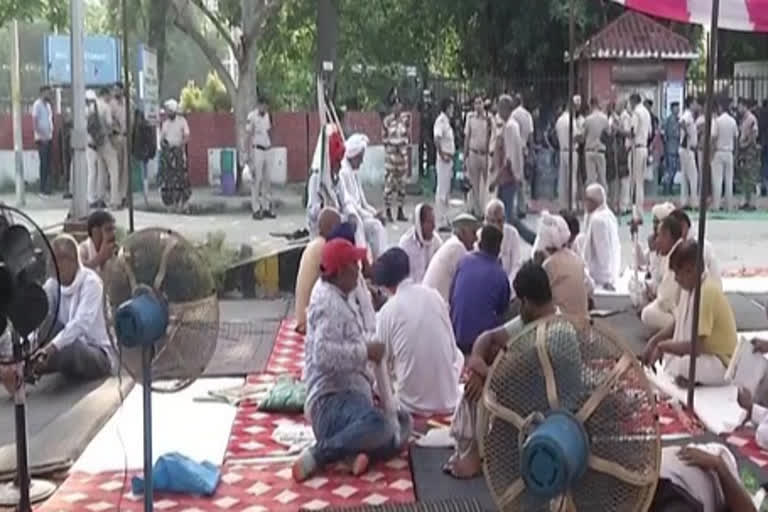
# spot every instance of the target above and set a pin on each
(18, 148)
(79, 167)
(128, 153)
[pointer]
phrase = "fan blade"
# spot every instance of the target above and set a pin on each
(16, 249)
(6, 288)
(28, 309)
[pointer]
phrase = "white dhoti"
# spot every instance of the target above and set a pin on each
(443, 191)
(722, 172)
(655, 316)
(710, 370)
(689, 178)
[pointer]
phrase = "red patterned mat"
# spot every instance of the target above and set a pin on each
(673, 419)
(287, 351)
(744, 441)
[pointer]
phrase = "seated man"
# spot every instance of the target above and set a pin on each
(710, 258)
(480, 293)
(717, 326)
(421, 242)
(565, 269)
(659, 313)
(370, 229)
(510, 255)
(309, 265)
(100, 245)
(346, 423)
(602, 247)
(532, 289)
(700, 478)
(324, 191)
(80, 347)
(415, 327)
(648, 259)
(442, 267)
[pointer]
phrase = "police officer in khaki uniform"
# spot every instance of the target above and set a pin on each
(640, 133)
(725, 132)
(595, 132)
(119, 190)
(477, 138)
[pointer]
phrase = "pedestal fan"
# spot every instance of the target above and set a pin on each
(26, 261)
(162, 317)
(568, 422)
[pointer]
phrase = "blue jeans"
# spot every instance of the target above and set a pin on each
(347, 423)
(508, 193)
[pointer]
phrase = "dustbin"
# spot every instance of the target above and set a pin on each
(227, 160)
(137, 175)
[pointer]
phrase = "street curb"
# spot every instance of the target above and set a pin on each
(266, 274)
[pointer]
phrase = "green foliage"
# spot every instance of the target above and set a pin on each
(54, 12)
(217, 257)
(212, 97)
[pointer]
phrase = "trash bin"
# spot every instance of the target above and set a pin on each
(227, 157)
(137, 175)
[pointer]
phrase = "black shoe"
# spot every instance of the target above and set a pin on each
(268, 214)
(388, 215)
(401, 215)
(67, 195)
(257, 215)
(94, 206)
(747, 207)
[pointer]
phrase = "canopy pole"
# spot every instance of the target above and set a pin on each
(571, 92)
(127, 154)
(706, 185)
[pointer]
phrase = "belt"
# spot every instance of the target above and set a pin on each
(92, 146)
(478, 152)
(595, 150)
(261, 148)
(638, 146)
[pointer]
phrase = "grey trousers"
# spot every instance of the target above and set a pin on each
(79, 360)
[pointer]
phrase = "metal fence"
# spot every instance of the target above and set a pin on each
(537, 91)
(753, 87)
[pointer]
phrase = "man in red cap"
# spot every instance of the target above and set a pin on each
(339, 402)
(322, 188)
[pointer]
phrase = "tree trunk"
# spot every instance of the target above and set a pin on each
(245, 102)
(327, 38)
(158, 12)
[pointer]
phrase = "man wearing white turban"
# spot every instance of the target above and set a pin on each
(565, 268)
(602, 248)
(370, 230)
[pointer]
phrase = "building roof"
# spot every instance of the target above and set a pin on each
(636, 36)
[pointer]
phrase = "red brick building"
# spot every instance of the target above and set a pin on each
(634, 53)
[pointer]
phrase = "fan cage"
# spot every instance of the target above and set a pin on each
(564, 363)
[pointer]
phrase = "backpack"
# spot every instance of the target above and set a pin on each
(95, 128)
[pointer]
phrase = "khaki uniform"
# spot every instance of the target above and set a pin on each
(641, 130)
(525, 122)
(259, 127)
(724, 133)
(396, 137)
(119, 183)
(107, 153)
(689, 179)
(595, 128)
(749, 156)
(477, 133)
(444, 141)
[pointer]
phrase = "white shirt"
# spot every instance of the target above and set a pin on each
(419, 252)
(562, 127)
(688, 128)
(641, 125)
(81, 311)
(724, 132)
(353, 194)
(259, 127)
(524, 121)
(174, 131)
(444, 132)
(514, 145)
(443, 266)
(602, 248)
(415, 326)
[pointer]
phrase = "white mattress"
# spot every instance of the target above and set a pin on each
(199, 430)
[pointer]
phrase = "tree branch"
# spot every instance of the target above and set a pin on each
(209, 51)
(259, 20)
(221, 28)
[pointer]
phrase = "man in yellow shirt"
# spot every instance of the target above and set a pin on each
(717, 335)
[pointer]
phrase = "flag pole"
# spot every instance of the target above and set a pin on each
(703, 197)
(571, 92)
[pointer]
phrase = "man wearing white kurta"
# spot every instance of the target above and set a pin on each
(511, 252)
(259, 126)
(442, 267)
(415, 326)
(421, 241)
(725, 131)
(640, 132)
(689, 179)
(445, 147)
(370, 230)
(602, 248)
(562, 129)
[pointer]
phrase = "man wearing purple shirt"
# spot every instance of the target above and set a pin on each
(480, 293)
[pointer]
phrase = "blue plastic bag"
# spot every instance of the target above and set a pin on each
(177, 473)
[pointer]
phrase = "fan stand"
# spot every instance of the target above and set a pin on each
(24, 490)
(146, 384)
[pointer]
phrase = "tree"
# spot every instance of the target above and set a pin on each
(212, 97)
(54, 12)
(241, 24)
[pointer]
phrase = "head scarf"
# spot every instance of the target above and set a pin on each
(417, 222)
(172, 106)
(356, 144)
(391, 268)
(553, 232)
(335, 148)
(661, 211)
(345, 230)
(596, 193)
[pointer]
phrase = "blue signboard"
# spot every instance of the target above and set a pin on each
(102, 60)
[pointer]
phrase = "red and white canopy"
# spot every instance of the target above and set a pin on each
(745, 15)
